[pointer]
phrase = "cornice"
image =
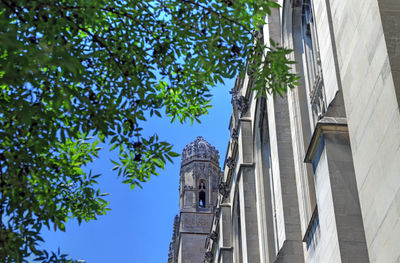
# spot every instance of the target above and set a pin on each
(325, 125)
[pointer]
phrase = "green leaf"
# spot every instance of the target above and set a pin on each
(173, 154)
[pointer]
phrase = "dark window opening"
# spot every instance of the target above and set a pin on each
(202, 199)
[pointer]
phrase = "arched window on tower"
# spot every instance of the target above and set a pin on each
(202, 193)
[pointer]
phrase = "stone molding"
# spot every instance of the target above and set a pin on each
(325, 125)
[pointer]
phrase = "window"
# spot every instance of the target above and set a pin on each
(312, 65)
(312, 232)
(202, 199)
(202, 194)
(317, 103)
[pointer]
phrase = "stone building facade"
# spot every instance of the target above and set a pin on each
(314, 176)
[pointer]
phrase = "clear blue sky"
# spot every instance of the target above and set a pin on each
(138, 228)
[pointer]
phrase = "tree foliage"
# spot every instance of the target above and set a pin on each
(71, 69)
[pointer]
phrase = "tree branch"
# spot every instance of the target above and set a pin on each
(216, 13)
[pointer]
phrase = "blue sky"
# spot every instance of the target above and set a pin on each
(139, 226)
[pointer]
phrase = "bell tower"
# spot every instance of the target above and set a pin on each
(199, 177)
(198, 191)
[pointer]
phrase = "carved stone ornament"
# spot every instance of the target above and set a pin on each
(202, 220)
(222, 189)
(234, 134)
(230, 163)
(235, 98)
(217, 211)
(257, 34)
(209, 256)
(199, 149)
(243, 105)
(188, 187)
(240, 102)
(213, 236)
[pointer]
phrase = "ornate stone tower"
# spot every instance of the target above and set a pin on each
(198, 191)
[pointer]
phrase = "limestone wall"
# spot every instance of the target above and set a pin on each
(326, 247)
(373, 119)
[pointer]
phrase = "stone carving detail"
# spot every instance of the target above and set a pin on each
(202, 221)
(223, 189)
(230, 163)
(196, 221)
(209, 256)
(234, 134)
(217, 212)
(188, 221)
(234, 94)
(201, 167)
(243, 105)
(213, 236)
(199, 149)
(240, 102)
